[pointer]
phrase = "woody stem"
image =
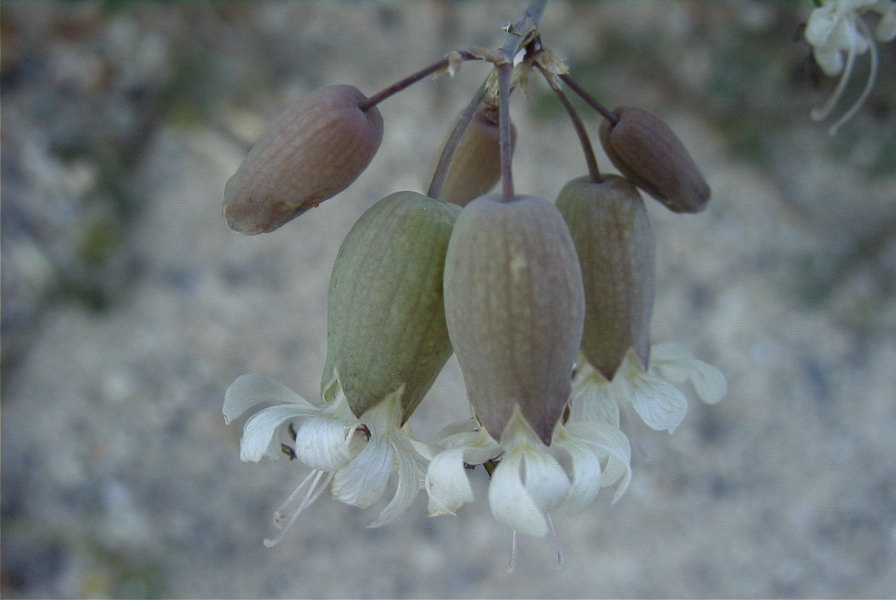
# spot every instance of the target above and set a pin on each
(412, 79)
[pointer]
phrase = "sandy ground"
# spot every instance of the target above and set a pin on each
(129, 307)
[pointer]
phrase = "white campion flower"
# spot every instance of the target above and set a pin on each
(515, 309)
(837, 32)
(446, 483)
(649, 392)
(353, 457)
(528, 481)
(386, 343)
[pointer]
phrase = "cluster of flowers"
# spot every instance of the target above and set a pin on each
(547, 306)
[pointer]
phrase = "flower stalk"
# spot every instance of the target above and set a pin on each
(578, 125)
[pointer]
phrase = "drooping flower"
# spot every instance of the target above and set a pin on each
(515, 304)
(354, 457)
(528, 481)
(648, 390)
(515, 308)
(385, 310)
(617, 366)
(614, 241)
(387, 341)
(837, 32)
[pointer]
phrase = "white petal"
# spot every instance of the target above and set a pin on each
(675, 363)
(545, 479)
(886, 28)
(659, 404)
(608, 441)
(596, 401)
(446, 482)
(820, 26)
(458, 428)
(844, 35)
(586, 471)
(363, 480)
(410, 469)
(478, 445)
(709, 382)
(830, 60)
(323, 443)
(619, 461)
(259, 434)
(425, 450)
(510, 502)
(252, 389)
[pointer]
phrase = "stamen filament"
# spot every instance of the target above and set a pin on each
(314, 491)
(556, 541)
(512, 564)
(869, 85)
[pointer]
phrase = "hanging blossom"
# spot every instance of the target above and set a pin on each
(838, 33)
(529, 481)
(354, 458)
(650, 392)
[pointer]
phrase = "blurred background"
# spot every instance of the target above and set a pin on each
(129, 306)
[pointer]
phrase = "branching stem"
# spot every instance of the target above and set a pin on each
(516, 37)
(414, 78)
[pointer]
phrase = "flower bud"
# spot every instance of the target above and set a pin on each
(386, 328)
(476, 165)
(612, 236)
(312, 150)
(515, 308)
(648, 152)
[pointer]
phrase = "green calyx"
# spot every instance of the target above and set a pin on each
(386, 319)
(616, 250)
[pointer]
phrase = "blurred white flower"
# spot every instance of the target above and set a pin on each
(354, 458)
(837, 29)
